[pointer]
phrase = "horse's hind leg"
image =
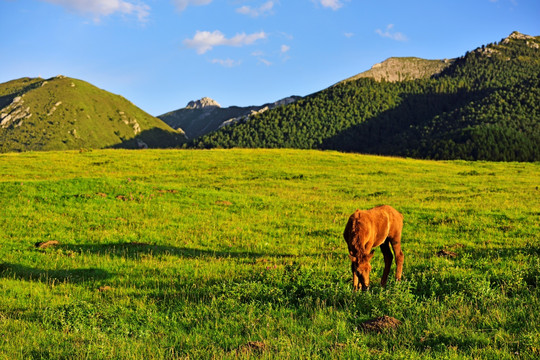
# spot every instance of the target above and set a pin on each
(396, 245)
(385, 248)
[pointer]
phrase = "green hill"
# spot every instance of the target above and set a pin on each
(63, 113)
(484, 105)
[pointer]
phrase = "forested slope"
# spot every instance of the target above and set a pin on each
(486, 105)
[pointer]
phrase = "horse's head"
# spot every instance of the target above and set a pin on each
(361, 267)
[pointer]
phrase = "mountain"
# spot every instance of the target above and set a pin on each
(482, 105)
(62, 113)
(206, 115)
(404, 68)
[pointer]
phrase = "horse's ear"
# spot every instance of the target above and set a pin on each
(351, 257)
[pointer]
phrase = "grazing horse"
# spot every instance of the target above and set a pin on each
(367, 229)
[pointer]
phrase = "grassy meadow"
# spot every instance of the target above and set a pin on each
(188, 254)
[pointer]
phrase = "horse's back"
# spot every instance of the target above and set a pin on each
(388, 220)
(373, 226)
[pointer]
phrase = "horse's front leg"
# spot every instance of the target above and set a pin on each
(356, 280)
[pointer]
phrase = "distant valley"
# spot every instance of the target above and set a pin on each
(205, 116)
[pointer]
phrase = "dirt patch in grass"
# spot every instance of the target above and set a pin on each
(223, 202)
(46, 244)
(380, 324)
(163, 191)
(252, 347)
(446, 253)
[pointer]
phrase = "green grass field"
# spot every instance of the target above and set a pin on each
(240, 254)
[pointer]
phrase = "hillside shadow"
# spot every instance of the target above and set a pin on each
(402, 128)
(5, 100)
(155, 138)
(21, 272)
(135, 250)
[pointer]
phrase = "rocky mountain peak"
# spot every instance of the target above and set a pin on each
(205, 102)
(404, 68)
(531, 41)
(519, 36)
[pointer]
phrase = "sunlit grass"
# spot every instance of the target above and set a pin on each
(239, 253)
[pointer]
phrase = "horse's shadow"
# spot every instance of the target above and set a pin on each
(134, 250)
(21, 272)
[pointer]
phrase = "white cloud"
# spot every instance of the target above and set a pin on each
(332, 4)
(181, 5)
(100, 8)
(256, 12)
(261, 56)
(392, 35)
(265, 62)
(284, 52)
(226, 62)
(349, 35)
(204, 41)
(286, 36)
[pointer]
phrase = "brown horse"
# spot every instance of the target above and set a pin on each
(367, 229)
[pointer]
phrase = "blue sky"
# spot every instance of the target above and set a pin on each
(160, 54)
